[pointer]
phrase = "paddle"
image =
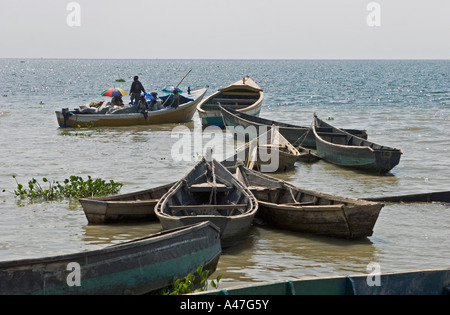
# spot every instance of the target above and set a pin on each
(178, 85)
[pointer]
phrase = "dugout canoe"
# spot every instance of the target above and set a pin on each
(183, 113)
(244, 96)
(132, 207)
(249, 127)
(411, 282)
(288, 207)
(268, 153)
(209, 192)
(134, 267)
(339, 147)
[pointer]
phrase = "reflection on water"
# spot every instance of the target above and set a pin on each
(271, 254)
(102, 235)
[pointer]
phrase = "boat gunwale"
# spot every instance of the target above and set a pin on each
(357, 147)
(130, 244)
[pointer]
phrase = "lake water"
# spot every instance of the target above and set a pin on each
(402, 104)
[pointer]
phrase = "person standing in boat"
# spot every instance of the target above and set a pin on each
(135, 90)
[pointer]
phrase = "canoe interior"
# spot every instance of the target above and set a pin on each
(198, 194)
(210, 193)
(268, 153)
(252, 126)
(328, 134)
(236, 99)
(272, 190)
(338, 136)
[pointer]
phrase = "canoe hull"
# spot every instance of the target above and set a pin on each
(270, 153)
(133, 207)
(288, 207)
(341, 148)
(350, 221)
(247, 127)
(209, 192)
(134, 267)
(233, 230)
(214, 118)
(363, 158)
(182, 114)
(414, 282)
(244, 95)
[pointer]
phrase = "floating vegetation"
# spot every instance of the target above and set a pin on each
(188, 284)
(73, 187)
(120, 80)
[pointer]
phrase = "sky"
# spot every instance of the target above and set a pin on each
(225, 29)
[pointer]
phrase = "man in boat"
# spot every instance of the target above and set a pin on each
(176, 100)
(135, 90)
(155, 103)
(117, 101)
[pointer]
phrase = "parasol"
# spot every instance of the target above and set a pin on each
(114, 92)
(169, 89)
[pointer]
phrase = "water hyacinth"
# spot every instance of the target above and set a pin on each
(73, 187)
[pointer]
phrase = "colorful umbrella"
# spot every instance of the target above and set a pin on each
(114, 92)
(170, 89)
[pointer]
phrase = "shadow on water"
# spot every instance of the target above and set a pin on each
(270, 254)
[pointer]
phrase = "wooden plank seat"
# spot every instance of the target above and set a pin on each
(331, 134)
(201, 209)
(209, 207)
(207, 187)
(235, 100)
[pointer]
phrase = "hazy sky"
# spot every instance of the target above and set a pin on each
(225, 29)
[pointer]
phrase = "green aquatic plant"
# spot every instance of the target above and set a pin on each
(190, 284)
(73, 187)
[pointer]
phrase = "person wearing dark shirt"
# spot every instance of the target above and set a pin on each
(176, 100)
(135, 90)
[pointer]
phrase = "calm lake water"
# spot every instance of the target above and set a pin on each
(403, 104)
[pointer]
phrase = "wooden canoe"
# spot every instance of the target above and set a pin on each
(339, 147)
(133, 267)
(183, 113)
(249, 127)
(288, 207)
(412, 282)
(209, 192)
(438, 197)
(245, 96)
(268, 153)
(131, 207)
